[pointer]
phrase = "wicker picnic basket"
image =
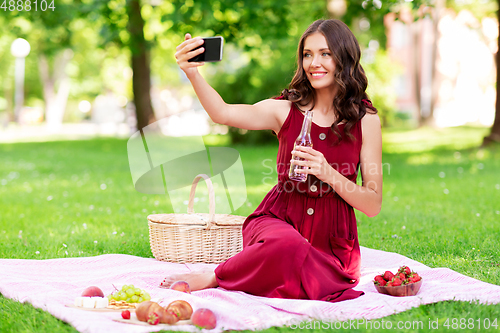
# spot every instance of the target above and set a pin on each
(196, 238)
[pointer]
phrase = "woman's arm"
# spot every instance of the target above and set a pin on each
(266, 114)
(366, 197)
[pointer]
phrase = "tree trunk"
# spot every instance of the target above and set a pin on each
(55, 102)
(435, 80)
(495, 129)
(141, 80)
(415, 30)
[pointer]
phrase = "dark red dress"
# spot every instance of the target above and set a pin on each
(302, 241)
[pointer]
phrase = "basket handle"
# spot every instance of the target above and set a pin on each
(211, 198)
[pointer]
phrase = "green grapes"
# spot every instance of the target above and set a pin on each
(130, 294)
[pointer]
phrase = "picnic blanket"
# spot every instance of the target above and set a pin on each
(54, 283)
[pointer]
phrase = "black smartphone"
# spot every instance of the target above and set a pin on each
(213, 50)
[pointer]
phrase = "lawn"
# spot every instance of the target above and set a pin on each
(76, 198)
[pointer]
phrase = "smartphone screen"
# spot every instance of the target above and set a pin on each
(213, 50)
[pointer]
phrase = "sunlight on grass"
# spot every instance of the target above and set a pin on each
(217, 140)
(426, 139)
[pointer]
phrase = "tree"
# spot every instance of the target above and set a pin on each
(141, 80)
(258, 36)
(234, 20)
(122, 24)
(494, 135)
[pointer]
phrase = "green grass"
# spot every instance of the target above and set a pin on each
(441, 207)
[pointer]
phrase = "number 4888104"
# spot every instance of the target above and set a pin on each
(27, 5)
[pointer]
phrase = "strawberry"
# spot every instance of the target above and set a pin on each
(396, 282)
(405, 270)
(126, 314)
(388, 275)
(153, 319)
(389, 284)
(379, 280)
(401, 276)
(414, 277)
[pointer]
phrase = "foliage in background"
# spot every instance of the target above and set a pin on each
(259, 55)
(480, 9)
(50, 33)
(373, 11)
(381, 73)
(261, 39)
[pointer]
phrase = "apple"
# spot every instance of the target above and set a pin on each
(181, 286)
(204, 318)
(92, 291)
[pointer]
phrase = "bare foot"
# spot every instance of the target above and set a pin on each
(197, 280)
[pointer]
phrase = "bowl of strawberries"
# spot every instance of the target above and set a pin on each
(404, 283)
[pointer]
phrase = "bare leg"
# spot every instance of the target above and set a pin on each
(197, 280)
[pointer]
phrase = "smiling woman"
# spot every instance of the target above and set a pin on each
(318, 62)
(302, 241)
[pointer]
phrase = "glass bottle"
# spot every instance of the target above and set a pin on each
(304, 140)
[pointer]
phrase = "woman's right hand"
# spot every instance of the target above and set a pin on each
(185, 52)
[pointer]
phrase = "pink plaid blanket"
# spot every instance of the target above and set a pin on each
(51, 284)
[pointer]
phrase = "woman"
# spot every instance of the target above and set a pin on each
(301, 242)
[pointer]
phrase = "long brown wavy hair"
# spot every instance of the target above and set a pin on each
(351, 102)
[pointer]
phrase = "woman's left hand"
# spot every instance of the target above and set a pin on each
(314, 163)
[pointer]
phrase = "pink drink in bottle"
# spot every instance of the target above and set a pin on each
(304, 139)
